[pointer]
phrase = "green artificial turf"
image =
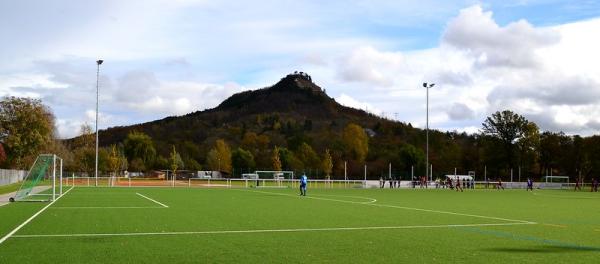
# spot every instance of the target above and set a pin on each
(269, 225)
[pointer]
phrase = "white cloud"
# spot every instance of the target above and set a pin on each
(481, 67)
(347, 100)
(368, 65)
(460, 111)
(173, 57)
(513, 45)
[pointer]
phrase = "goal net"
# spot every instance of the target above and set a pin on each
(40, 182)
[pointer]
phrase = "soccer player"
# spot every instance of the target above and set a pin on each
(303, 182)
(381, 182)
(594, 185)
(529, 184)
(458, 184)
(500, 186)
(578, 184)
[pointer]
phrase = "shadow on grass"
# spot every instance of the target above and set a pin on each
(545, 249)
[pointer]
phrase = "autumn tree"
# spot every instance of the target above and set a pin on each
(26, 126)
(276, 159)
(356, 142)
(114, 160)
(175, 161)
(219, 157)
(327, 164)
(2, 154)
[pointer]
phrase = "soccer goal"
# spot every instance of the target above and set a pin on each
(556, 182)
(40, 184)
(274, 179)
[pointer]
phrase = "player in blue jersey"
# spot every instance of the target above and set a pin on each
(529, 184)
(303, 183)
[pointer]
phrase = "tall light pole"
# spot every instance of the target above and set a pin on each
(427, 174)
(98, 62)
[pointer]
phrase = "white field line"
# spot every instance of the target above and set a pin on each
(265, 230)
(371, 200)
(159, 203)
(401, 207)
(31, 218)
(107, 207)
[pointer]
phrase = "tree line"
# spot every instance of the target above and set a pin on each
(507, 141)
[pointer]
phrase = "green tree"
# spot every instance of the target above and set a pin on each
(308, 156)
(242, 159)
(289, 161)
(192, 164)
(138, 145)
(508, 128)
(528, 146)
(84, 152)
(161, 163)
(26, 126)
(356, 142)
(276, 159)
(137, 165)
(327, 165)
(219, 157)
(410, 156)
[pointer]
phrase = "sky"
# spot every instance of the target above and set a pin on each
(172, 57)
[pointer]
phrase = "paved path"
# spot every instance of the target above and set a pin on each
(4, 197)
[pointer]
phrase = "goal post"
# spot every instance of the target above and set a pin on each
(40, 183)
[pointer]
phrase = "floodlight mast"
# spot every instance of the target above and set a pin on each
(427, 173)
(98, 62)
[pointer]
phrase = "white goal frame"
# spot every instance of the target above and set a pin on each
(556, 177)
(276, 174)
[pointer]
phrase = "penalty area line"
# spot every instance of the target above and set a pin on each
(157, 202)
(32, 217)
(267, 230)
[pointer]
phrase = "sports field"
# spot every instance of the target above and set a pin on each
(250, 225)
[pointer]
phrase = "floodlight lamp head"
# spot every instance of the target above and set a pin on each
(425, 85)
(431, 85)
(99, 62)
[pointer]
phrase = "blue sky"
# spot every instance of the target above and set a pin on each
(165, 57)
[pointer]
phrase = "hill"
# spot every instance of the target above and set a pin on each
(297, 115)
